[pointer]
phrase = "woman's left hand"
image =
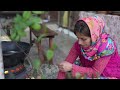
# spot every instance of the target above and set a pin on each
(65, 66)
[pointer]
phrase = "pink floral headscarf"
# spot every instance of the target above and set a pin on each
(102, 44)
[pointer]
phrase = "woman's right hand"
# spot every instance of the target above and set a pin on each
(65, 66)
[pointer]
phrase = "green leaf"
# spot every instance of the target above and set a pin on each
(49, 54)
(38, 12)
(17, 19)
(36, 27)
(29, 22)
(35, 19)
(21, 33)
(13, 35)
(36, 64)
(77, 75)
(54, 46)
(23, 25)
(26, 14)
(17, 38)
(19, 30)
(40, 37)
(20, 26)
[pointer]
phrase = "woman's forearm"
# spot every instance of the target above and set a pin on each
(95, 70)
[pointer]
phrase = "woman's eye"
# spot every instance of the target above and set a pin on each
(83, 39)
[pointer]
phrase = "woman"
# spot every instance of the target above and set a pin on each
(97, 52)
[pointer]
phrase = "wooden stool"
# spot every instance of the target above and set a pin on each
(49, 34)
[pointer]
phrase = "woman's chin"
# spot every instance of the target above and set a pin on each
(85, 47)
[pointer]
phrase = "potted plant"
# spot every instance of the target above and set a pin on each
(32, 20)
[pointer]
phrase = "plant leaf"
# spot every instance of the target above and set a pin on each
(26, 14)
(17, 38)
(54, 46)
(36, 26)
(36, 64)
(35, 19)
(40, 37)
(21, 33)
(17, 19)
(49, 54)
(77, 75)
(13, 35)
(29, 22)
(38, 12)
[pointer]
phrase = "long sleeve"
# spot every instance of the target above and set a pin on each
(97, 68)
(72, 56)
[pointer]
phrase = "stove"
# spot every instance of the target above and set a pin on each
(14, 57)
(17, 72)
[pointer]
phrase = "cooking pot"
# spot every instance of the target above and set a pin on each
(14, 53)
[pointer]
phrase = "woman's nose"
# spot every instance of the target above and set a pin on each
(80, 42)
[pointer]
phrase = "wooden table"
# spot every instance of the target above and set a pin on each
(49, 34)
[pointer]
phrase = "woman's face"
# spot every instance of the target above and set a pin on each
(83, 40)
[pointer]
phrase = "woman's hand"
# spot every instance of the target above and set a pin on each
(65, 66)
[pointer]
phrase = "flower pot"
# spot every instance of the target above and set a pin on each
(49, 71)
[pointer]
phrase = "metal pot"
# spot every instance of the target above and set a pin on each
(14, 53)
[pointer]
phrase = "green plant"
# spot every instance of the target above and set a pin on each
(32, 20)
(29, 19)
(36, 63)
(85, 76)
